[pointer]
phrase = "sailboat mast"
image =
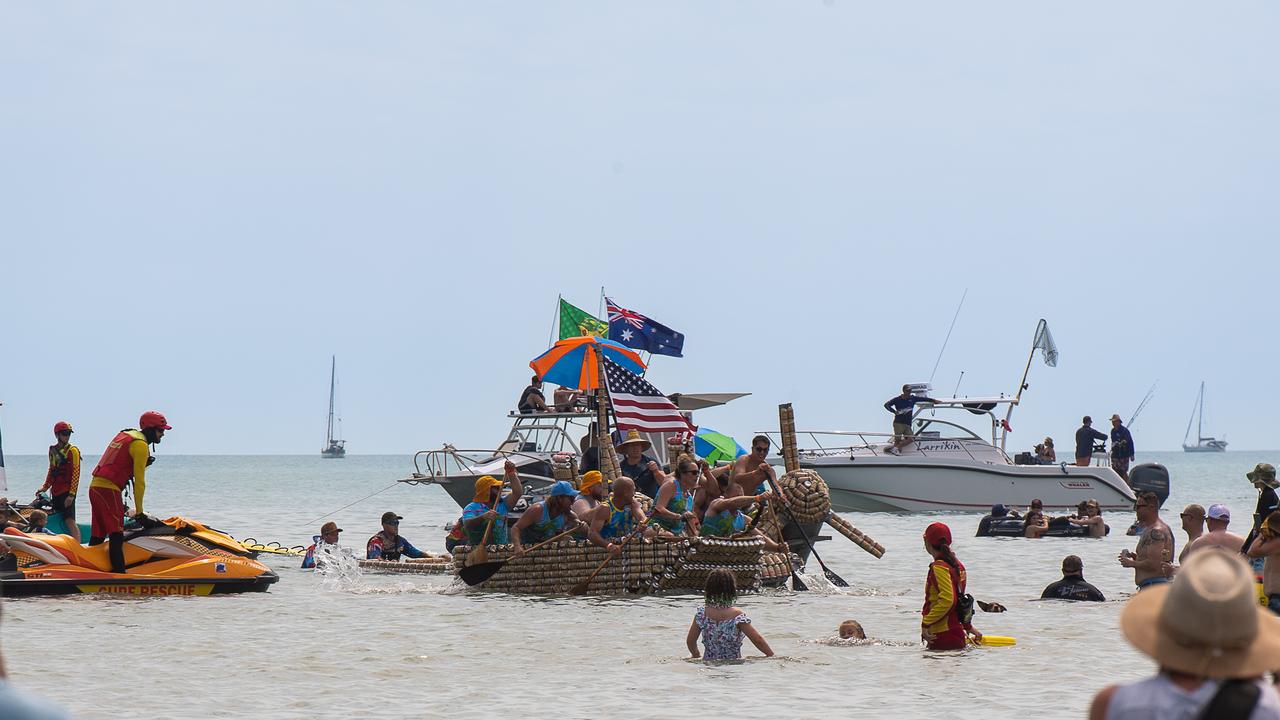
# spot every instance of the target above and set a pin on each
(1200, 416)
(333, 369)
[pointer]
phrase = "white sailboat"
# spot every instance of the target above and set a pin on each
(333, 447)
(1203, 444)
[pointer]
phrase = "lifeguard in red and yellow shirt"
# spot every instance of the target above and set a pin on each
(63, 478)
(126, 458)
(942, 626)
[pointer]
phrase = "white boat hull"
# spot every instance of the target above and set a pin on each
(892, 484)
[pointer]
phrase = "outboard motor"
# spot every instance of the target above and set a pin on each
(1153, 477)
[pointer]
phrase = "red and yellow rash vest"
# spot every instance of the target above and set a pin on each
(943, 586)
(64, 471)
(125, 458)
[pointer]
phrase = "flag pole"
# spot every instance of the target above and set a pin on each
(555, 320)
(1022, 385)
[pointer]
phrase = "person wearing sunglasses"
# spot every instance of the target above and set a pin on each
(388, 543)
(673, 509)
(63, 478)
(1155, 544)
(752, 471)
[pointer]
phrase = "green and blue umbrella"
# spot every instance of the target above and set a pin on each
(715, 446)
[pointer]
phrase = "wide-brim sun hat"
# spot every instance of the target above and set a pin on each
(1207, 622)
(633, 436)
(1264, 473)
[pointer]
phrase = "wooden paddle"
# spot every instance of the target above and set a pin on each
(581, 588)
(478, 553)
(476, 574)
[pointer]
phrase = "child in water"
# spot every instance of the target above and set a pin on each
(852, 630)
(722, 625)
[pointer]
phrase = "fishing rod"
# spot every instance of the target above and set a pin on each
(1145, 399)
(948, 337)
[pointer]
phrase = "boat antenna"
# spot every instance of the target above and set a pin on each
(956, 392)
(1145, 399)
(948, 337)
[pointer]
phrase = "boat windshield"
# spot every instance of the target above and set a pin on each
(547, 432)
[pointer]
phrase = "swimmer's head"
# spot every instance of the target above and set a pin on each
(852, 630)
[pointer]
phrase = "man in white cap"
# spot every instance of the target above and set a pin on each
(1212, 643)
(1217, 519)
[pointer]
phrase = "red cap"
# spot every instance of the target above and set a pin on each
(62, 427)
(937, 534)
(153, 419)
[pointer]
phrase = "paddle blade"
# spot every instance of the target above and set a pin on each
(997, 641)
(476, 574)
(579, 589)
(797, 584)
(835, 579)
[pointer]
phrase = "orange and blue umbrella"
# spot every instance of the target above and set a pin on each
(573, 362)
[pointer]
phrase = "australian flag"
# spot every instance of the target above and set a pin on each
(639, 332)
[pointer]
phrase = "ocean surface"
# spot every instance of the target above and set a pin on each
(417, 646)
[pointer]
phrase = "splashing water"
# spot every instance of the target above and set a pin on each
(337, 567)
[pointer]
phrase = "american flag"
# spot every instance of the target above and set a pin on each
(637, 405)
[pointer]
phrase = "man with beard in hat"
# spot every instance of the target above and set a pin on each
(638, 466)
(488, 504)
(590, 495)
(1212, 644)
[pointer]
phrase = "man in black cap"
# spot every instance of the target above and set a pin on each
(1072, 586)
(998, 512)
(388, 544)
(1085, 436)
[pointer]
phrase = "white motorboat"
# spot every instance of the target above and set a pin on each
(951, 468)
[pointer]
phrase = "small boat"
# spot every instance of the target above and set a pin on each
(1203, 444)
(333, 448)
(179, 557)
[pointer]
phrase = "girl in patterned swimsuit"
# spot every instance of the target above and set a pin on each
(722, 625)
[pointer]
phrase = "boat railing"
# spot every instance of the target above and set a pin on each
(449, 460)
(877, 443)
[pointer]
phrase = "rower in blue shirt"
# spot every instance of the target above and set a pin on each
(902, 407)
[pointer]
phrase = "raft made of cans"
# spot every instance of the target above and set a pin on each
(645, 566)
(433, 565)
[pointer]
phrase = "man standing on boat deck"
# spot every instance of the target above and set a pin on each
(126, 458)
(63, 479)
(1121, 447)
(1155, 544)
(1085, 436)
(902, 407)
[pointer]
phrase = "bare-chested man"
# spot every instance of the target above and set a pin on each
(1193, 525)
(752, 470)
(1218, 518)
(1267, 545)
(1155, 544)
(1091, 518)
(616, 518)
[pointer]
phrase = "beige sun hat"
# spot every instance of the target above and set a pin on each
(1207, 622)
(633, 436)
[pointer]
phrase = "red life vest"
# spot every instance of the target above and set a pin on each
(59, 477)
(116, 464)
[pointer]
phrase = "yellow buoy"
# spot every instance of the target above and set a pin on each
(997, 641)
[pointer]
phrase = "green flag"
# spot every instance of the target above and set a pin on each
(575, 321)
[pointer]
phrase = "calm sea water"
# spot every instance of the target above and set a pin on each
(396, 646)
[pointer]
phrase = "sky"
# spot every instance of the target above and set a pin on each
(202, 202)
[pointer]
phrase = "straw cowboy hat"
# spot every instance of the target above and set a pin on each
(1207, 622)
(633, 436)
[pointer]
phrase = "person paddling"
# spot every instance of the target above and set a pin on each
(126, 458)
(618, 517)
(546, 519)
(945, 621)
(488, 504)
(63, 478)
